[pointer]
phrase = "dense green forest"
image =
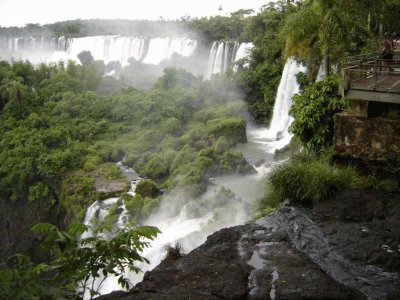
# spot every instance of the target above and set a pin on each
(178, 133)
(60, 123)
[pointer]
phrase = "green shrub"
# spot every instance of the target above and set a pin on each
(307, 181)
(185, 156)
(91, 163)
(155, 168)
(172, 126)
(110, 171)
(204, 163)
(77, 193)
(108, 151)
(232, 162)
(146, 188)
(222, 145)
(131, 158)
(232, 128)
(112, 216)
(207, 152)
(313, 113)
(134, 206)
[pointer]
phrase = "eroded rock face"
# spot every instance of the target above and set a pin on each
(347, 248)
(16, 220)
(366, 138)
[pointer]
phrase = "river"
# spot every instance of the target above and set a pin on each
(190, 221)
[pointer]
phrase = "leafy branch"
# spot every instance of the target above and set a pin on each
(76, 263)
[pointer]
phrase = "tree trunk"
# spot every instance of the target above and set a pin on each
(326, 63)
(369, 22)
(381, 20)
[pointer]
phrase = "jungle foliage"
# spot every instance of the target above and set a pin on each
(55, 130)
(52, 121)
(74, 263)
(313, 113)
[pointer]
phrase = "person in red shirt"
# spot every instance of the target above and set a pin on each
(387, 52)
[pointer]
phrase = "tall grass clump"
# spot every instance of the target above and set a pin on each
(307, 181)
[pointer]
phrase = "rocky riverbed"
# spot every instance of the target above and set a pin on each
(347, 247)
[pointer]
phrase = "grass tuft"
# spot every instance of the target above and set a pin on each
(307, 180)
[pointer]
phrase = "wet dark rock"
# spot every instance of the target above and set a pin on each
(346, 248)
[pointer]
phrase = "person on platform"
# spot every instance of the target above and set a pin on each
(387, 52)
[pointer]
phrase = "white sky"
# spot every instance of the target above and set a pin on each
(20, 12)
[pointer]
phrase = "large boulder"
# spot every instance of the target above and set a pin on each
(347, 248)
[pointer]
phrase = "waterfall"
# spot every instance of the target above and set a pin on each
(211, 59)
(97, 212)
(226, 57)
(217, 57)
(190, 221)
(243, 51)
(163, 48)
(277, 135)
(321, 72)
(106, 48)
(223, 56)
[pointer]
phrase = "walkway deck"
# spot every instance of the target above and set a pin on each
(370, 79)
(369, 129)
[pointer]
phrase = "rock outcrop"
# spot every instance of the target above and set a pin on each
(345, 248)
(375, 139)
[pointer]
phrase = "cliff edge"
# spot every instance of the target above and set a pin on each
(347, 247)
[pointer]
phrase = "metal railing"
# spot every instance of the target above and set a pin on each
(367, 72)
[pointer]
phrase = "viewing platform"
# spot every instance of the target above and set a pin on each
(370, 129)
(367, 78)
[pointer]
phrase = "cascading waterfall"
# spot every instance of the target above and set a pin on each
(163, 48)
(242, 52)
(223, 55)
(277, 135)
(190, 221)
(215, 60)
(321, 72)
(106, 48)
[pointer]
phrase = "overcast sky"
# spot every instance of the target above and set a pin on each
(20, 12)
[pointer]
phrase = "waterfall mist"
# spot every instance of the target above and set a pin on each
(136, 60)
(229, 199)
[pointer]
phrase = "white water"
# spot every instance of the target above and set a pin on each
(190, 221)
(277, 135)
(321, 72)
(106, 48)
(163, 48)
(243, 50)
(223, 56)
